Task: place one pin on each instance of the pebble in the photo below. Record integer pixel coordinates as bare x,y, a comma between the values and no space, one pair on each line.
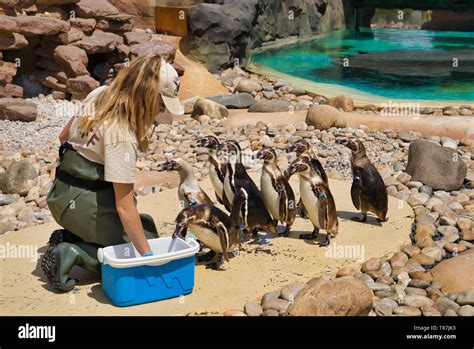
253,309
417,300
465,298
404,310
372,264
444,304
279,305
290,292
466,310
270,296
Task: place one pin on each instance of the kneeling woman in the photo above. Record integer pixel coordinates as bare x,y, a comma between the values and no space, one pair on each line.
92,197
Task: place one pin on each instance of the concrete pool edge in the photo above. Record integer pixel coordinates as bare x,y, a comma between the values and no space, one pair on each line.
360,98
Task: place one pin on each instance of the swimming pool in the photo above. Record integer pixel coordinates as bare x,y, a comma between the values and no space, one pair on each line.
386,63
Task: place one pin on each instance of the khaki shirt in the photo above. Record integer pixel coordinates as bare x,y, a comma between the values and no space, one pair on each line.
110,144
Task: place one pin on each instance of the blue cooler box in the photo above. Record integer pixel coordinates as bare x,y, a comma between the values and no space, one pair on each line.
129,279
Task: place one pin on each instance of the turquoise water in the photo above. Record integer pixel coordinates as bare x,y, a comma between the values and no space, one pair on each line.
418,77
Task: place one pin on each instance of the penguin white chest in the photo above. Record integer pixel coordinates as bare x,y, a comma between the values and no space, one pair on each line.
216,182
271,197
207,237
311,201
228,189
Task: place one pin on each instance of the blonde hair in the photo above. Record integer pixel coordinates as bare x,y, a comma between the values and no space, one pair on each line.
132,99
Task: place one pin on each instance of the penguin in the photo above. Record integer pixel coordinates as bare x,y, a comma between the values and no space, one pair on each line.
277,193
303,147
368,190
217,169
317,199
213,228
189,191
248,206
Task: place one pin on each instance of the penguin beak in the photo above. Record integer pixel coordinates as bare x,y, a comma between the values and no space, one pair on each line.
291,148
165,166
291,170
260,154
179,231
342,141
201,143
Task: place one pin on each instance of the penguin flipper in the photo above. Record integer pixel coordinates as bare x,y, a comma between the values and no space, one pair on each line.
283,207
356,191
219,200
323,211
223,236
236,208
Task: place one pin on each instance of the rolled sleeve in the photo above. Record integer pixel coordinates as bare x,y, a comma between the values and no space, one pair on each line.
120,161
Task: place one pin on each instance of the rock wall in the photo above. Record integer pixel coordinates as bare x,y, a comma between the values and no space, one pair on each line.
450,20
67,47
220,35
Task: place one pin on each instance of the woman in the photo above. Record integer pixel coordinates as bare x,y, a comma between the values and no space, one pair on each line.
92,197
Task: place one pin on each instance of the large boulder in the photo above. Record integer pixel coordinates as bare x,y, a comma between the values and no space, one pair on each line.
142,13
14,109
340,297
100,42
234,101
165,50
323,117
87,25
16,175
438,167
95,8
73,59
212,109
83,84
343,102
270,106
456,274
7,25
34,25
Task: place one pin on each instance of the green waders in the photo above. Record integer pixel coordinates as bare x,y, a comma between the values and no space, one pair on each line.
84,205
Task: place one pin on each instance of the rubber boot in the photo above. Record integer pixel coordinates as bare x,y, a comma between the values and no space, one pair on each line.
60,259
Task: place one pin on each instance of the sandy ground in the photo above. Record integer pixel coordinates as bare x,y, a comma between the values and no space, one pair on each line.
263,266
426,125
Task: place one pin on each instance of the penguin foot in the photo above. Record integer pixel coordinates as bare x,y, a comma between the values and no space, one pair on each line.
325,242
206,257
311,236
286,232
217,264
362,218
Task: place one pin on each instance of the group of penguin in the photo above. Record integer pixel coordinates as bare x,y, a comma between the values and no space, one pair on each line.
252,209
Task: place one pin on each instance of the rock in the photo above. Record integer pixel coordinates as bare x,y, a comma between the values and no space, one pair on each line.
438,167
290,292
6,199
100,42
466,297
417,301
7,25
339,297
265,106
398,260
16,175
234,312
270,296
427,310
252,309
35,25
323,117
434,252
378,286
347,271
444,304
372,264
422,275
411,251
466,310
234,101
271,312
207,107
5,226
12,41
407,136
382,309
456,273
165,50
248,85
83,84
404,310
87,25
15,109
343,102
73,59
280,305
95,8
